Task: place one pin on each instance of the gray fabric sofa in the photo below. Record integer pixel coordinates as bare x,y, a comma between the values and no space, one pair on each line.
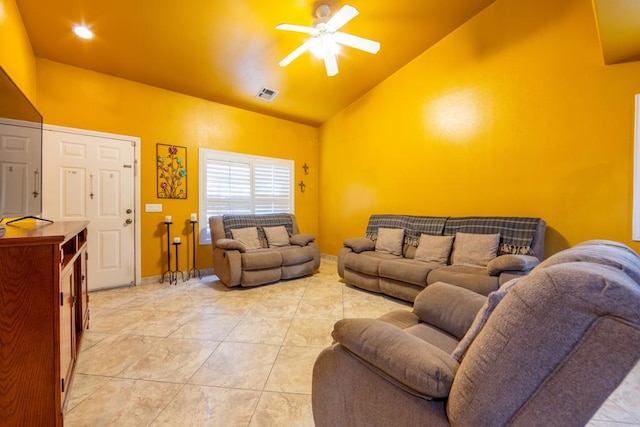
401,275
246,261
546,349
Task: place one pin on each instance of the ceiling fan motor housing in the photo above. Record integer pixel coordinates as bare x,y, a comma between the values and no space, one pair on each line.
323,11
322,15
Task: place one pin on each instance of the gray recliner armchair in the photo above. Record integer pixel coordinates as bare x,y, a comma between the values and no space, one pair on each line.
546,349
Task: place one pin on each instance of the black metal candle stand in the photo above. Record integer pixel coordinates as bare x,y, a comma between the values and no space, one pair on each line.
173,277
192,273
168,270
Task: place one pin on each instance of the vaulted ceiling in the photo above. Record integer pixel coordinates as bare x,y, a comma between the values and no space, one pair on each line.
227,50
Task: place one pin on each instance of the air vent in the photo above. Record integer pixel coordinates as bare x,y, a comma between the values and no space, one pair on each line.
267,94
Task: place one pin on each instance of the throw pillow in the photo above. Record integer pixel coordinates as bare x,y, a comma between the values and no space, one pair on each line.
474,250
277,237
434,249
390,240
248,236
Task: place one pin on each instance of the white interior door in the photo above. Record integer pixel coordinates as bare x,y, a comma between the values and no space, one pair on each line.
19,169
92,177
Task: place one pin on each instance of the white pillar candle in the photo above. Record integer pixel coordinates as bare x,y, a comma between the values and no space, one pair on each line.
167,218
176,240
194,217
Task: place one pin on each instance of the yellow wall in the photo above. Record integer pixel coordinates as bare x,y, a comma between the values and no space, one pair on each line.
512,114
74,97
16,55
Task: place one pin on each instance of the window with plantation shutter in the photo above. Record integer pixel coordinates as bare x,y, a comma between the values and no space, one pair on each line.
243,184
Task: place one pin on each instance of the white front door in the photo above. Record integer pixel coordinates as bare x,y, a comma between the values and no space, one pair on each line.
91,177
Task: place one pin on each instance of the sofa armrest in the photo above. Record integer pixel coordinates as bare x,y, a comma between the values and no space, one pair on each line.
414,363
301,239
231,244
360,244
511,262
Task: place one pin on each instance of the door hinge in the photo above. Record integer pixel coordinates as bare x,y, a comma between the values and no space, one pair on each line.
62,381
135,167
61,298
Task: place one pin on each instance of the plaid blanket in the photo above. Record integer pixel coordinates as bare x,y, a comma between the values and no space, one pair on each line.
516,234
232,221
413,226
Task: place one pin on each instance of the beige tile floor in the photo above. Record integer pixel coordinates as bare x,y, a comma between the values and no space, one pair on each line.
201,354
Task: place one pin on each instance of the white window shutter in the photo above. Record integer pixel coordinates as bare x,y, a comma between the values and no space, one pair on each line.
242,184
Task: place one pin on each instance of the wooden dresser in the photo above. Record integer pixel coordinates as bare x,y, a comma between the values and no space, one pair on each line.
43,311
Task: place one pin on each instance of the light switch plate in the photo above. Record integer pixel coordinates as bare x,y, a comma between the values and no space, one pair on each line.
153,207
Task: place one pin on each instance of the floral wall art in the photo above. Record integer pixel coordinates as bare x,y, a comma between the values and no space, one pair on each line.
172,171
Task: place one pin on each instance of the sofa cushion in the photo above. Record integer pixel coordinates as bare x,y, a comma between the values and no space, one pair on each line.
292,255
415,363
406,270
366,262
448,307
474,250
261,259
248,237
276,236
390,240
434,249
511,262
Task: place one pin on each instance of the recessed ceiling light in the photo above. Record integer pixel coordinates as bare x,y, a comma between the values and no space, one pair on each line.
83,32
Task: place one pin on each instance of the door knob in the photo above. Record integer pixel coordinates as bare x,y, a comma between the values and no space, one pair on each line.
128,221
129,211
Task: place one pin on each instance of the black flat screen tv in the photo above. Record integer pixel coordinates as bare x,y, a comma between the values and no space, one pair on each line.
20,153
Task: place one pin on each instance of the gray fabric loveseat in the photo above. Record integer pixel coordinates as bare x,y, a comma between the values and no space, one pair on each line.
546,349
251,250
400,254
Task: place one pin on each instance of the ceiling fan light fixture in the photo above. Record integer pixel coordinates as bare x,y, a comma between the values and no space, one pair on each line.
323,43
326,40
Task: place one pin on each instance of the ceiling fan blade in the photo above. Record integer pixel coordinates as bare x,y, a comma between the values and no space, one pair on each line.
297,28
344,15
293,55
330,63
357,42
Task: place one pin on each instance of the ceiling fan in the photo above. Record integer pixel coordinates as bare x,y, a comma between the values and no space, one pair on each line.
325,38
